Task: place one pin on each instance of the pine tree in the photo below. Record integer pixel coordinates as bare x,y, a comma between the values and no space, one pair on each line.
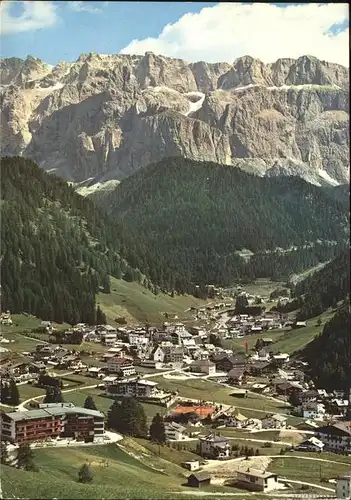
85,474
89,403
106,285
157,429
25,458
13,394
100,316
5,392
4,453
53,395
128,418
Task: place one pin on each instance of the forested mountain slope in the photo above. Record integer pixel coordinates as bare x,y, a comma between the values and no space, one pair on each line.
188,223
329,353
325,288
57,248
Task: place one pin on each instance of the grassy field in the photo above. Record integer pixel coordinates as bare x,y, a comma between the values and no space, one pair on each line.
307,470
263,287
287,341
137,304
210,391
124,477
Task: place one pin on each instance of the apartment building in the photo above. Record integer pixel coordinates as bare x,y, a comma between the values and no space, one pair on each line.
336,437
53,421
122,366
145,390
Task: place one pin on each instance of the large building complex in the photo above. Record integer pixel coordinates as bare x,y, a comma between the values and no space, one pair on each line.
52,421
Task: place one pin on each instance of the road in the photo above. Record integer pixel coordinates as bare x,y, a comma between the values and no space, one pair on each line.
21,407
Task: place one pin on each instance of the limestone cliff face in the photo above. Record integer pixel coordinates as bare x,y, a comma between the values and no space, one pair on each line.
105,116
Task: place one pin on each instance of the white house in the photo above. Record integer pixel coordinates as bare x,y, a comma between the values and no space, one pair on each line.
159,355
343,486
213,446
312,444
175,432
123,366
203,366
253,480
109,339
312,410
276,421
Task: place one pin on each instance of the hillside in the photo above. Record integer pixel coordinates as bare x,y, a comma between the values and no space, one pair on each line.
324,288
135,303
331,368
189,222
57,250
103,117
124,477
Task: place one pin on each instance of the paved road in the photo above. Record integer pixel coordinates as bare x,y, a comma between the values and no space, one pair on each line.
21,407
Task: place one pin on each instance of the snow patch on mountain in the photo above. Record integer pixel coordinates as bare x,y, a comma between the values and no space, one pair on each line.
327,177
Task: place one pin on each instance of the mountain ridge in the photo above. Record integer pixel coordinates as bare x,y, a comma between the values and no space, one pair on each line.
195,218
105,116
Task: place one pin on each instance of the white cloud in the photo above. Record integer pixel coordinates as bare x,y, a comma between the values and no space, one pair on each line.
265,31
85,7
35,16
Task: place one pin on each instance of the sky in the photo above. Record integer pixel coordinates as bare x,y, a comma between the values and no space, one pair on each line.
194,31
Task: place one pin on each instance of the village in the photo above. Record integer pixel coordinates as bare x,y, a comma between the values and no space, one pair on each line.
153,363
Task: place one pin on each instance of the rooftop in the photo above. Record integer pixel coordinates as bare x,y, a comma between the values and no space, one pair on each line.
256,473
57,410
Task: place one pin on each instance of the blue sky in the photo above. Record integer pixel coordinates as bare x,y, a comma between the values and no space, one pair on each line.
108,31
55,31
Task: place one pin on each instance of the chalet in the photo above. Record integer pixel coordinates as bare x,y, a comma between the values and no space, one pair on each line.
237,376
266,341
203,366
175,431
94,371
122,366
281,358
260,367
233,420
199,479
287,389
226,363
276,421
312,444
213,446
253,480
309,396
312,410
336,437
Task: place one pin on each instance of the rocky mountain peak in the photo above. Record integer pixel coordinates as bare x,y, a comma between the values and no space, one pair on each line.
105,116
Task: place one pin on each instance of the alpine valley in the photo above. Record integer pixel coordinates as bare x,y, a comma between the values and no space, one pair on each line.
175,278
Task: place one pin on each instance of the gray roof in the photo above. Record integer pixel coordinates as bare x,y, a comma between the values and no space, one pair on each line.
254,473
200,476
52,411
